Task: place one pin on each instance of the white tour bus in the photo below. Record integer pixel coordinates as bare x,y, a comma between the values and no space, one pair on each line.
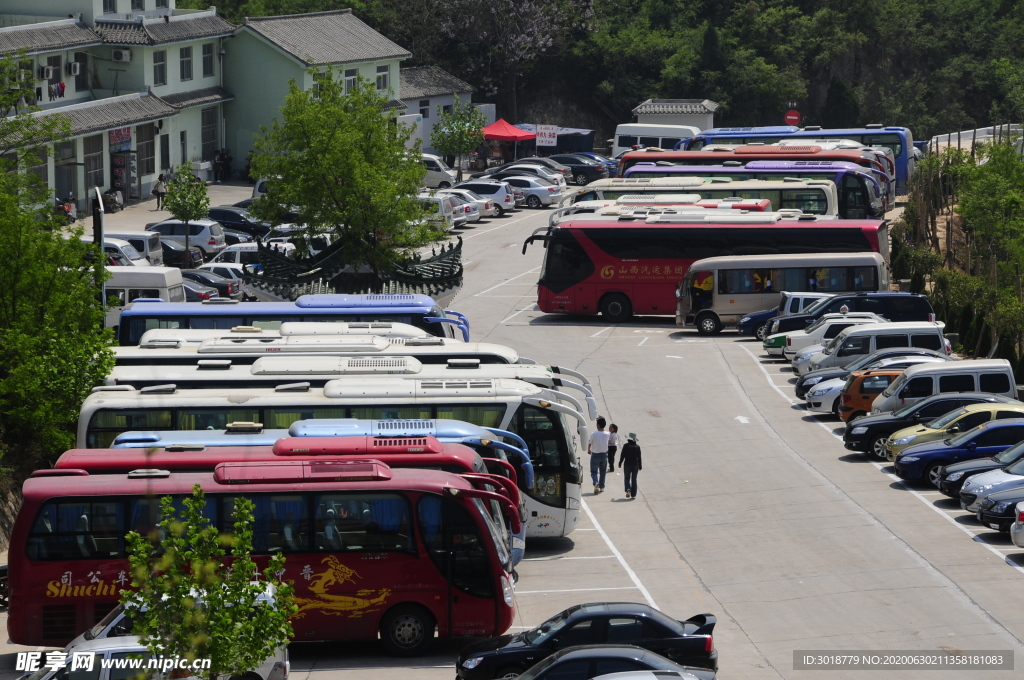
555,432
717,292
811,196
127,284
628,135
246,348
387,329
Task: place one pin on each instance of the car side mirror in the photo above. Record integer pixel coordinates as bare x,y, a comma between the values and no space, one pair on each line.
953,429
971,446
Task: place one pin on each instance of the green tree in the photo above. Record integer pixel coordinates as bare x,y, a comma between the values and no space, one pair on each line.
458,132
188,602
187,200
340,161
841,109
712,53
53,350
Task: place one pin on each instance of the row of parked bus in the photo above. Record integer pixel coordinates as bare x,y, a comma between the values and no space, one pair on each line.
399,466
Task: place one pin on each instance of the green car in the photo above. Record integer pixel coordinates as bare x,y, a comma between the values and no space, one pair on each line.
775,344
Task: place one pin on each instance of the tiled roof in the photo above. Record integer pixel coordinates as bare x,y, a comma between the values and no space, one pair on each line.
325,38
159,31
429,81
52,35
114,112
676,106
205,96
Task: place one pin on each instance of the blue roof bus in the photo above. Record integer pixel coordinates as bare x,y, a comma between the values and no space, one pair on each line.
899,139
861,194
417,310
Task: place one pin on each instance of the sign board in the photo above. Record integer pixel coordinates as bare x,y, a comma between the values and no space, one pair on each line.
792,117
547,135
120,139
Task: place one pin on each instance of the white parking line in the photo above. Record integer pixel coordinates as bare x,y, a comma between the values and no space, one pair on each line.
602,331
503,224
512,316
532,271
920,495
552,559
622,560
576,590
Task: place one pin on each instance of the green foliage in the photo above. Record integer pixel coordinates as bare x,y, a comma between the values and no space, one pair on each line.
346,168
841,109
187,602
186,199
458,132
52,348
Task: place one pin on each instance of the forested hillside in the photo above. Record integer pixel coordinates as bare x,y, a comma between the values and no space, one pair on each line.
932,65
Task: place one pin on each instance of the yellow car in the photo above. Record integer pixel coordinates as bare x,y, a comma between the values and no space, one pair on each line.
954,422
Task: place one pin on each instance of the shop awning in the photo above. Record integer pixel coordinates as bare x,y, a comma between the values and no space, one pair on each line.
503,131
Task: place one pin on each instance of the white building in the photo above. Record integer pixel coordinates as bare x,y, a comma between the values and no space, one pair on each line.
424,89
699,113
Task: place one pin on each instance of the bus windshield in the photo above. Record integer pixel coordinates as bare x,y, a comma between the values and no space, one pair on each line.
500,544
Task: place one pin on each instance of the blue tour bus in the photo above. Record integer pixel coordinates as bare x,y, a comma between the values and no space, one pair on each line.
418,310
862,195
899,139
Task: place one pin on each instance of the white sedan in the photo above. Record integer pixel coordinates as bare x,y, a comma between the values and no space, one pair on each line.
486,206
1017,528
824,397
802,360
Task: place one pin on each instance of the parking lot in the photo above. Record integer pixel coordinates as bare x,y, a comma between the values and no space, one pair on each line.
749,507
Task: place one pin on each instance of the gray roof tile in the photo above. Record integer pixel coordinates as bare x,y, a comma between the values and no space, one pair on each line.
205,96
114,112
52,35
676,106
158,31
429,81
325,38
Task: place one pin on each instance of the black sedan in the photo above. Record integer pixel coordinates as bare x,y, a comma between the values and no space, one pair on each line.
197,292
174,255
952,477
239,219
687,642
999,509
226,288
808,380
594,661
234,237
869,433
583,170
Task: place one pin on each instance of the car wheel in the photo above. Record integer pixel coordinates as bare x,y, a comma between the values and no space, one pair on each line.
759,332
501,211
878,446
616,307
407,630
443,185
933,472
508,673
533,202
835,408
708,324
581,179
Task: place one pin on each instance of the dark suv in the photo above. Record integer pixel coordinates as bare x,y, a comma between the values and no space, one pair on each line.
893,306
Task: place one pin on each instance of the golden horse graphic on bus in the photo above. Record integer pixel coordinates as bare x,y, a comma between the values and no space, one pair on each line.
336,573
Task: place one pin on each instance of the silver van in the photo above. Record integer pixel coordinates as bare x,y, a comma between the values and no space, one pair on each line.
127,284
439,175
994,376
121,252
794,303
855,342
146,243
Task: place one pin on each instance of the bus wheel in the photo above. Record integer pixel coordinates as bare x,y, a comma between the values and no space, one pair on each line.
407,630
708,324
616,307
759,332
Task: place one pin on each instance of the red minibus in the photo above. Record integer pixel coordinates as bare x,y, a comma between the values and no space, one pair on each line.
623,266
862,158
371,549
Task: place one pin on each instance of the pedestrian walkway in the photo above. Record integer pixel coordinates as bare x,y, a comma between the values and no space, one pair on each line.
137,215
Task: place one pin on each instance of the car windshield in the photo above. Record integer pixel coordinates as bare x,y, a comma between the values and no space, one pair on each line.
1018,467
1010,455
907,410
104,622
895,386
441,164
129,250
965,437
835,342
475,196
549,628
817,324
944,420
818,305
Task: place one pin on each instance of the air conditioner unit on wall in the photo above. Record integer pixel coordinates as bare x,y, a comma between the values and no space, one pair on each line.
45,72
73,68
123,56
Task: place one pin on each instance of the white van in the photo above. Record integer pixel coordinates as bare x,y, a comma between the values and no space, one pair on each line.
629,135
147,243
825,329
248,253
440,209
122,251
439,175
994,376
127,284
854,343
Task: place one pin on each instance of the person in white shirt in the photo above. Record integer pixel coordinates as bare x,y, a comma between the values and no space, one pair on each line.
613,445
597,449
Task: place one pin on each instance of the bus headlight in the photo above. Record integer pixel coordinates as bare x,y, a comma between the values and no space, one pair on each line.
506,591
574,504
472,662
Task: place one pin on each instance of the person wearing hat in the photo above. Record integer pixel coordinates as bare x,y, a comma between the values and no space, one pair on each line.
631,464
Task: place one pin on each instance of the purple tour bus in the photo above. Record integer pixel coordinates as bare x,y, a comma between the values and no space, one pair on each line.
861,194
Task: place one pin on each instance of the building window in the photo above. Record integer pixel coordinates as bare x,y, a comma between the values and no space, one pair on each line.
186,63
183,140
383,77
93,151
350,79
447,108
209,132
160,67
425,108
137,5
162,4
82,79
109,6
208,60
145,135
165,152
55,75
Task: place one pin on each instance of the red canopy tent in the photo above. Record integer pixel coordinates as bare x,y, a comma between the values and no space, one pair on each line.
505,132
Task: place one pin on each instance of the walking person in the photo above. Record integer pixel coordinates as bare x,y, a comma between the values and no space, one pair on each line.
226,159
160,190
613,445
597,449
631,464
218,167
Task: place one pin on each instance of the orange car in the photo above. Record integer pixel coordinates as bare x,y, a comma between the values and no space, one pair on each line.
861,389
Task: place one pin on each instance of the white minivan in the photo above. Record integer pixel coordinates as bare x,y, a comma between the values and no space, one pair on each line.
994,376
854,343
127,284
439,175
629,135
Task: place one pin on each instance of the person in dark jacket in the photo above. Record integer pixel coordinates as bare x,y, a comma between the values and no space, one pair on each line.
631,464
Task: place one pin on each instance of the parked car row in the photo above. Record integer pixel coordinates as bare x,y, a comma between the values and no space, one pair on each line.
954,425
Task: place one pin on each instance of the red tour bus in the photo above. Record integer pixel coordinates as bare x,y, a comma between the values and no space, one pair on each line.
371,549
623,266
755,152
